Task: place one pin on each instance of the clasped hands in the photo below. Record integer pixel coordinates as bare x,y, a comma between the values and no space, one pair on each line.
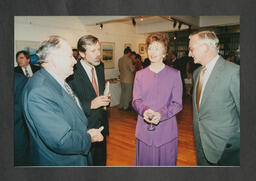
151,116
100,101
95,134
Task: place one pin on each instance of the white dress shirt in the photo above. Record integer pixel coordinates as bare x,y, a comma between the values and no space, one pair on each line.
209,68
88,70
28,69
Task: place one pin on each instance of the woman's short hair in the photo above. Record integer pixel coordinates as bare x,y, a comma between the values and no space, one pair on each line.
208,37
86,40
158,37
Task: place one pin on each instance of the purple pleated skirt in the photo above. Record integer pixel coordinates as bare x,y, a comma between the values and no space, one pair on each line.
149,155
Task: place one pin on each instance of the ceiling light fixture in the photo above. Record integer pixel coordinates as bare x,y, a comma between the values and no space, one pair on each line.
133,22
174,23
180,25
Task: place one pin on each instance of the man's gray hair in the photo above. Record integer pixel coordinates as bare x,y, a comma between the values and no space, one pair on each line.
208,37
46,46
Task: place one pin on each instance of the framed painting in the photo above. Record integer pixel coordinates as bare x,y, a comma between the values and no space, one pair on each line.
108,54
142,48
128,45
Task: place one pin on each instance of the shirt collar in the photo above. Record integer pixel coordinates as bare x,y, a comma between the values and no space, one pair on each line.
212,63
86,66
59,79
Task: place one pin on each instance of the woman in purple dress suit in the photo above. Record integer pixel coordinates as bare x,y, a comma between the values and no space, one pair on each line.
157,97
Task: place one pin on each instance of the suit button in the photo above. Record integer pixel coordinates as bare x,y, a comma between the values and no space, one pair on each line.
228,145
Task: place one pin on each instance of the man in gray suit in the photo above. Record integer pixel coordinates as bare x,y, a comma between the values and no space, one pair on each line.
126,69
216,103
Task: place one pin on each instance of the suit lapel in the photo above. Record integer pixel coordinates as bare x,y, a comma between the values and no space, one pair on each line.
19,70
71,103
213,80
68,100
101,83
83,75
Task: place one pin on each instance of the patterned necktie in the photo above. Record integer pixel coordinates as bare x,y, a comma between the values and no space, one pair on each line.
27,74
70,92
199,87
94,83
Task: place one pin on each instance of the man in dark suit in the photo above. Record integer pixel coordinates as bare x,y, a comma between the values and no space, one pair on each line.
216,103
57,125
88,82
24,66
20,127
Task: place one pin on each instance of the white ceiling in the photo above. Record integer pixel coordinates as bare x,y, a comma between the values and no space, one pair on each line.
144,24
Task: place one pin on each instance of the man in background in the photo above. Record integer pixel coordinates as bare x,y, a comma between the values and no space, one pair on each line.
24,66
126,69
57,125
21,143
216,103
76,54
88,82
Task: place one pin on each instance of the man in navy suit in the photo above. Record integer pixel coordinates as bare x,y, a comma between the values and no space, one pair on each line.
20,128
57,125
24,67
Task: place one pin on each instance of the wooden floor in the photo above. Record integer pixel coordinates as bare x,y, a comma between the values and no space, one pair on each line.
121,143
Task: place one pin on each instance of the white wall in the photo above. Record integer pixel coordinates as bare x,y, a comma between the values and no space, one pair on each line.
219,20
37,28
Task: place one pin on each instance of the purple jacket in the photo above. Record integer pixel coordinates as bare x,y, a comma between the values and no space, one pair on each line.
161,92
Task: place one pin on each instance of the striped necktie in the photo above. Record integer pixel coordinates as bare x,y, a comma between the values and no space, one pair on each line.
70,92
26,72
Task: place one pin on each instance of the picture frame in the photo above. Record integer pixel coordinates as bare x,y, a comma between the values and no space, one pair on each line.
108,54
142,48
128,45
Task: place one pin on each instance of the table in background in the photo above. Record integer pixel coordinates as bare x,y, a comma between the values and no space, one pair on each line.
115,91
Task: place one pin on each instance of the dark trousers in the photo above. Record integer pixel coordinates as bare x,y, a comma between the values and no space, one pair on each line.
99,152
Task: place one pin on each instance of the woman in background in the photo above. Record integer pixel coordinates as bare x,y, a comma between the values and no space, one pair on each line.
157,97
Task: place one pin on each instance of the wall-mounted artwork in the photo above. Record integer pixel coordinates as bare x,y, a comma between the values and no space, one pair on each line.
108,54
128,45
142,48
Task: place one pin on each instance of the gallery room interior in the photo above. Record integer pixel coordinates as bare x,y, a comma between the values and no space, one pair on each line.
115,33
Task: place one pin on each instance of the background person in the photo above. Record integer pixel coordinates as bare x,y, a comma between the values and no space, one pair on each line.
21,142
126,69
24,67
